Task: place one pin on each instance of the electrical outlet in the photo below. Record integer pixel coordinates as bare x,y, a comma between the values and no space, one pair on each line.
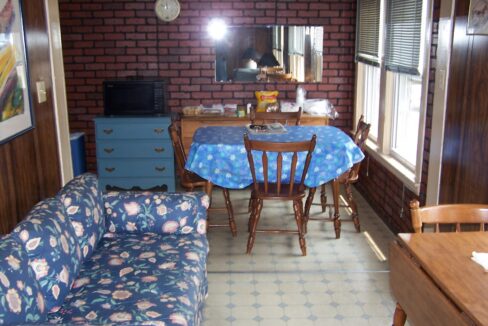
41,91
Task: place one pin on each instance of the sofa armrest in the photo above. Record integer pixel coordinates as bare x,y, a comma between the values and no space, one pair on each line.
156,212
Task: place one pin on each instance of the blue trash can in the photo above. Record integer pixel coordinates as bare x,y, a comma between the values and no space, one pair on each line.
77,140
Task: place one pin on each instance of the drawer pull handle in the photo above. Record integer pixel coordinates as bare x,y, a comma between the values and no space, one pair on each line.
159,149
108,150
108,131
110,170
159,131
160,168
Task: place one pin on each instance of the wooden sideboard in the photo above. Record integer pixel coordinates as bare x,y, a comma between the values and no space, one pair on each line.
434,280
189,124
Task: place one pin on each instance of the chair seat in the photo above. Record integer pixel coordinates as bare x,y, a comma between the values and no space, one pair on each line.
192,180
272,193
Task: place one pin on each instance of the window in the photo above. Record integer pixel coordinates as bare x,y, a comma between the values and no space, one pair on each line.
406,118
392,81
371,98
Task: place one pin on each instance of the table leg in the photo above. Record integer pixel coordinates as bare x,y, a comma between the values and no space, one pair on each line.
400,317
337,220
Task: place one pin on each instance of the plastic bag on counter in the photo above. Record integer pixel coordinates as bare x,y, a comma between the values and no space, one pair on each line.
320,107
287,106
301,96
214,109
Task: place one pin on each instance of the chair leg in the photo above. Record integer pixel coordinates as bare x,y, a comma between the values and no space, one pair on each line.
298,208
249,205
230,212
256,214
400,317
353,206
323,197
337,220
308,204
252,202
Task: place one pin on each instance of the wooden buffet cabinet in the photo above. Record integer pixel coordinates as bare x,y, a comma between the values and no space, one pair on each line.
189,124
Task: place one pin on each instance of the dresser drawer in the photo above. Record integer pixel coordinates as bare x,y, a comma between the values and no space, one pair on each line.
134,149
160,183
126,129
135,167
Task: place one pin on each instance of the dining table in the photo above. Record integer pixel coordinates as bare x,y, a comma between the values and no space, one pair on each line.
217,154
435,281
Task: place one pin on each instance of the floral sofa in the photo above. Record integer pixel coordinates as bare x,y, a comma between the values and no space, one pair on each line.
123,257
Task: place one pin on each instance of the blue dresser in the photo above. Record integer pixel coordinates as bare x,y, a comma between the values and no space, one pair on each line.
134,153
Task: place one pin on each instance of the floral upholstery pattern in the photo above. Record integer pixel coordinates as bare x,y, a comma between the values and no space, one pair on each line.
20,299
83,204
145,279
60,265
52,249
162,213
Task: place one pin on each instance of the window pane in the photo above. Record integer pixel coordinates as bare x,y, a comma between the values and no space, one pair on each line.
406,117
371,97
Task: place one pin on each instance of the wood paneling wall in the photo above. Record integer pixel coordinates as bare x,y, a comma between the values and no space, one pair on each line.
29,163
464,177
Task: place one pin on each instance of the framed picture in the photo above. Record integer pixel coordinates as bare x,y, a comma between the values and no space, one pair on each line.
478,17
15,106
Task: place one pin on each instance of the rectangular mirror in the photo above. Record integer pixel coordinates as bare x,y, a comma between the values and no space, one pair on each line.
269,54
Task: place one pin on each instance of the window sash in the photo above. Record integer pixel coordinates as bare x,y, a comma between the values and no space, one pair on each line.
403,36
406,119
368,31
371,95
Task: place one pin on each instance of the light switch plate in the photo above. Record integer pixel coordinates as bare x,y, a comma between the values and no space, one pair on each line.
41,91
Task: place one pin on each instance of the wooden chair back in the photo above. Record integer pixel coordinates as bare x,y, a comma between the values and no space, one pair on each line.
285,118
265,147
454,214
361,133
179,151
360,137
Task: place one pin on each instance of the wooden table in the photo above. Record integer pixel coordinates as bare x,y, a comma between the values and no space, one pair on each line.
189,124
435,281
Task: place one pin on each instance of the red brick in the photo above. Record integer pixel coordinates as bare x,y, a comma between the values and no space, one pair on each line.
135,43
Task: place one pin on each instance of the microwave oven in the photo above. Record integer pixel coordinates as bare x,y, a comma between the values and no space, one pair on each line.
134,97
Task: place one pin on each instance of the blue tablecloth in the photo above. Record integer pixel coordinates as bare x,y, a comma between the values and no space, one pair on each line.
218,154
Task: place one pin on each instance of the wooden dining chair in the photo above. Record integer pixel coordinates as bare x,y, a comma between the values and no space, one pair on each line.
190,181
285,118
450,214
454,215
348,178
277,189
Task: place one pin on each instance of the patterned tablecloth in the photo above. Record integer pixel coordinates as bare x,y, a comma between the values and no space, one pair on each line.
218,154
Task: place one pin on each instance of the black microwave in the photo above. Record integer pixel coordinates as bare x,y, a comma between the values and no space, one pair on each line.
134,97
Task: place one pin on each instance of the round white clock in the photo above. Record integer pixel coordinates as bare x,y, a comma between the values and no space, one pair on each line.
167,10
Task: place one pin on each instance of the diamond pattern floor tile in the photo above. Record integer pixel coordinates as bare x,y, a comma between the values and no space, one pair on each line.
340,281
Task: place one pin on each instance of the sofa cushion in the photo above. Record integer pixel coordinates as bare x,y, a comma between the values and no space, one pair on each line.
147,279
21,301
52,249
83,204
163,213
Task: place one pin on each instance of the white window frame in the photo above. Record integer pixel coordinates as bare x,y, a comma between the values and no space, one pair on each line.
380,149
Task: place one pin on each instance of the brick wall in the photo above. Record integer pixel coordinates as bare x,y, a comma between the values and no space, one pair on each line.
105,39
389,197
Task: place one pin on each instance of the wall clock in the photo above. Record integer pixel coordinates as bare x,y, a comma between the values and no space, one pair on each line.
167,10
